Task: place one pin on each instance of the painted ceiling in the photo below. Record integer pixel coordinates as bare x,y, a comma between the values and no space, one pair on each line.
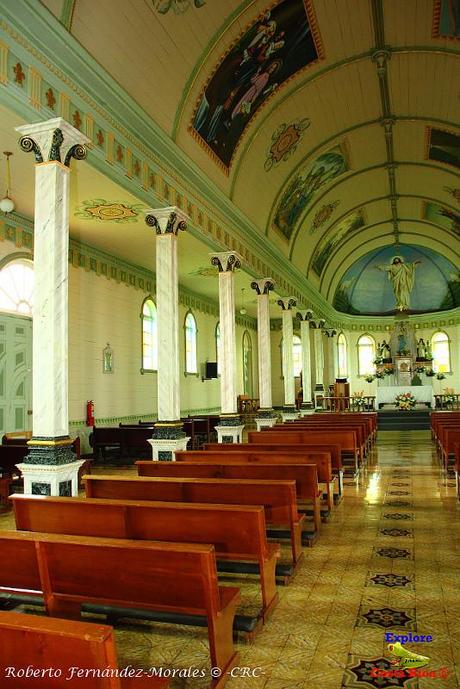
366,287
331,125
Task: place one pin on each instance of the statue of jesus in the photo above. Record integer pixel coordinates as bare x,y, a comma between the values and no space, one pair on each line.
402,277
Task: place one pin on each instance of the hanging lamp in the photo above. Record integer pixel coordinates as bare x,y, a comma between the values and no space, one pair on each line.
7,204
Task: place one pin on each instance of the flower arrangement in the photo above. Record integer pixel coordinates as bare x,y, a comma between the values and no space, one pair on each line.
388,371
449,395
440,376
420,369
369,378
358,399
378,360
380,375
430,373
405,401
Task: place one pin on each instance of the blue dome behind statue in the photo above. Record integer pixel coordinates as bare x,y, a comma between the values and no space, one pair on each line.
374,284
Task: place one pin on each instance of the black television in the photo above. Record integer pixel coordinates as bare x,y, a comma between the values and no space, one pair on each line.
211,369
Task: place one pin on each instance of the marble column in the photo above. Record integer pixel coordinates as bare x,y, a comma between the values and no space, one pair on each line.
307,405
229,429
168,435
318,326
51,468
331,354
266,417
289,410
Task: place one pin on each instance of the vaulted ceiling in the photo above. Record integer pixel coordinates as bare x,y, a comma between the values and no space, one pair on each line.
333,125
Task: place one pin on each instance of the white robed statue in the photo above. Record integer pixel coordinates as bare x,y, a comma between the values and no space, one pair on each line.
402,278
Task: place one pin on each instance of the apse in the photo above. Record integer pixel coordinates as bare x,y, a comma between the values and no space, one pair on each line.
371,287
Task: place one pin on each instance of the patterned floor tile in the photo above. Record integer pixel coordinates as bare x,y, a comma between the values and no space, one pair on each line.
390,580
386,618
393,553
400,516
359,675
396,532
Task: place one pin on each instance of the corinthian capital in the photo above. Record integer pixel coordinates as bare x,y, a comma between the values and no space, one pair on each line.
53,140
226,261
287,303
169,220
263,286
305,315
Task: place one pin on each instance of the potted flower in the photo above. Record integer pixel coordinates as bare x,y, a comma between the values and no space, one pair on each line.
430,373
405,401
380,375
369,378
378,361
448,397
440,376
357,399
420,369
388,371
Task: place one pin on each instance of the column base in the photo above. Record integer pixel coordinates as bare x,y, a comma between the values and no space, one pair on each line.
306,409
56,479
266,418
168,437
319,393
289,413
50,451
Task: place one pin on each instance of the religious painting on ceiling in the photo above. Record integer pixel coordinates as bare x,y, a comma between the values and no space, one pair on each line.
283,40
410,278
439,215
443,146
326,247
177,6
285,140
446,19
322,216
304,186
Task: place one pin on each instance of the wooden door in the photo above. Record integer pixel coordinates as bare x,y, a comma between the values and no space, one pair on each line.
15,374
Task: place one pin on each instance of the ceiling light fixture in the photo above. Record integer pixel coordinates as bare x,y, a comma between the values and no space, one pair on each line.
7,204
243,311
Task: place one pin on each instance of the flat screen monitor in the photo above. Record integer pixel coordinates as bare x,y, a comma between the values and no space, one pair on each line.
211,369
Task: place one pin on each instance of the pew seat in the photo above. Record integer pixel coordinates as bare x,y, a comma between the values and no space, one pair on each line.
277,497
123,578
238,533
45,642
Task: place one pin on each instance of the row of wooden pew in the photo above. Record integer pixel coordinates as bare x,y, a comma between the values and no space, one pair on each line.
445,432
183,521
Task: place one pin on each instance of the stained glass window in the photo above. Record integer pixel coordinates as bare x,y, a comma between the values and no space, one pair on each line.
366,355
149,336
191,365
17,287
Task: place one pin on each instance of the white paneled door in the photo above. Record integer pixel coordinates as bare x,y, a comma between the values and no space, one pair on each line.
15,374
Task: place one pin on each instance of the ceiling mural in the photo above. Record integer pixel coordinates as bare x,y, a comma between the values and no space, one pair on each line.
109,211
177,6
281,42
304,186
285,140
326,247
322,216
446,19
443,146
409,278
439,215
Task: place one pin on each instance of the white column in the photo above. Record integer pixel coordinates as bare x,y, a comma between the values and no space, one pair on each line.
305,318
168,435
332,354
289,410
50,467
229,429
319,359
265,415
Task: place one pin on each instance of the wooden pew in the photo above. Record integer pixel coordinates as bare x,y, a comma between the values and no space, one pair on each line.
237,533
69,571
48,644
307,486
360,429
332,450
277,497
345,438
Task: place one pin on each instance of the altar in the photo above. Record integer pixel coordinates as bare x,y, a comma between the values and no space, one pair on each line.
422,393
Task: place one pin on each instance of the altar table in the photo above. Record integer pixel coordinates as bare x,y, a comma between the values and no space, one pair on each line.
422,393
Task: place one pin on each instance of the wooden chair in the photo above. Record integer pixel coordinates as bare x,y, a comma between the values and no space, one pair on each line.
44,643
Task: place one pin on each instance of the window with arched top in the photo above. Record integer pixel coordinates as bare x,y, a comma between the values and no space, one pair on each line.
247,364
342,356
218,354
440,350
296,356
366,355
149,335
191,364
17,287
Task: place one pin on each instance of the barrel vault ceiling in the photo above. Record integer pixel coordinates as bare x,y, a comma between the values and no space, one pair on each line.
332,125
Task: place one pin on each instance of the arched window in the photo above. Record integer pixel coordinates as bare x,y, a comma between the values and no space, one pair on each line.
247,364
342,356
440,349
149,335
296,355
218,354
191,365
366,355
17,287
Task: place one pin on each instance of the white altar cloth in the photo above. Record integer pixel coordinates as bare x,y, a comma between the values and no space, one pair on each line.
422,393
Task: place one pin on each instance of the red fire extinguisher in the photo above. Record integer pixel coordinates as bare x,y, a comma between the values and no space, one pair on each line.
90,413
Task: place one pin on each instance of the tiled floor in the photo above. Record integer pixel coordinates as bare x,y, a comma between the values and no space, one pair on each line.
388,560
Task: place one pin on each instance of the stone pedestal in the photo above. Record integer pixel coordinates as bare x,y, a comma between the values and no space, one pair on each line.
230,434
58,480
265,422
50,468
289,415
163,449
306,411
